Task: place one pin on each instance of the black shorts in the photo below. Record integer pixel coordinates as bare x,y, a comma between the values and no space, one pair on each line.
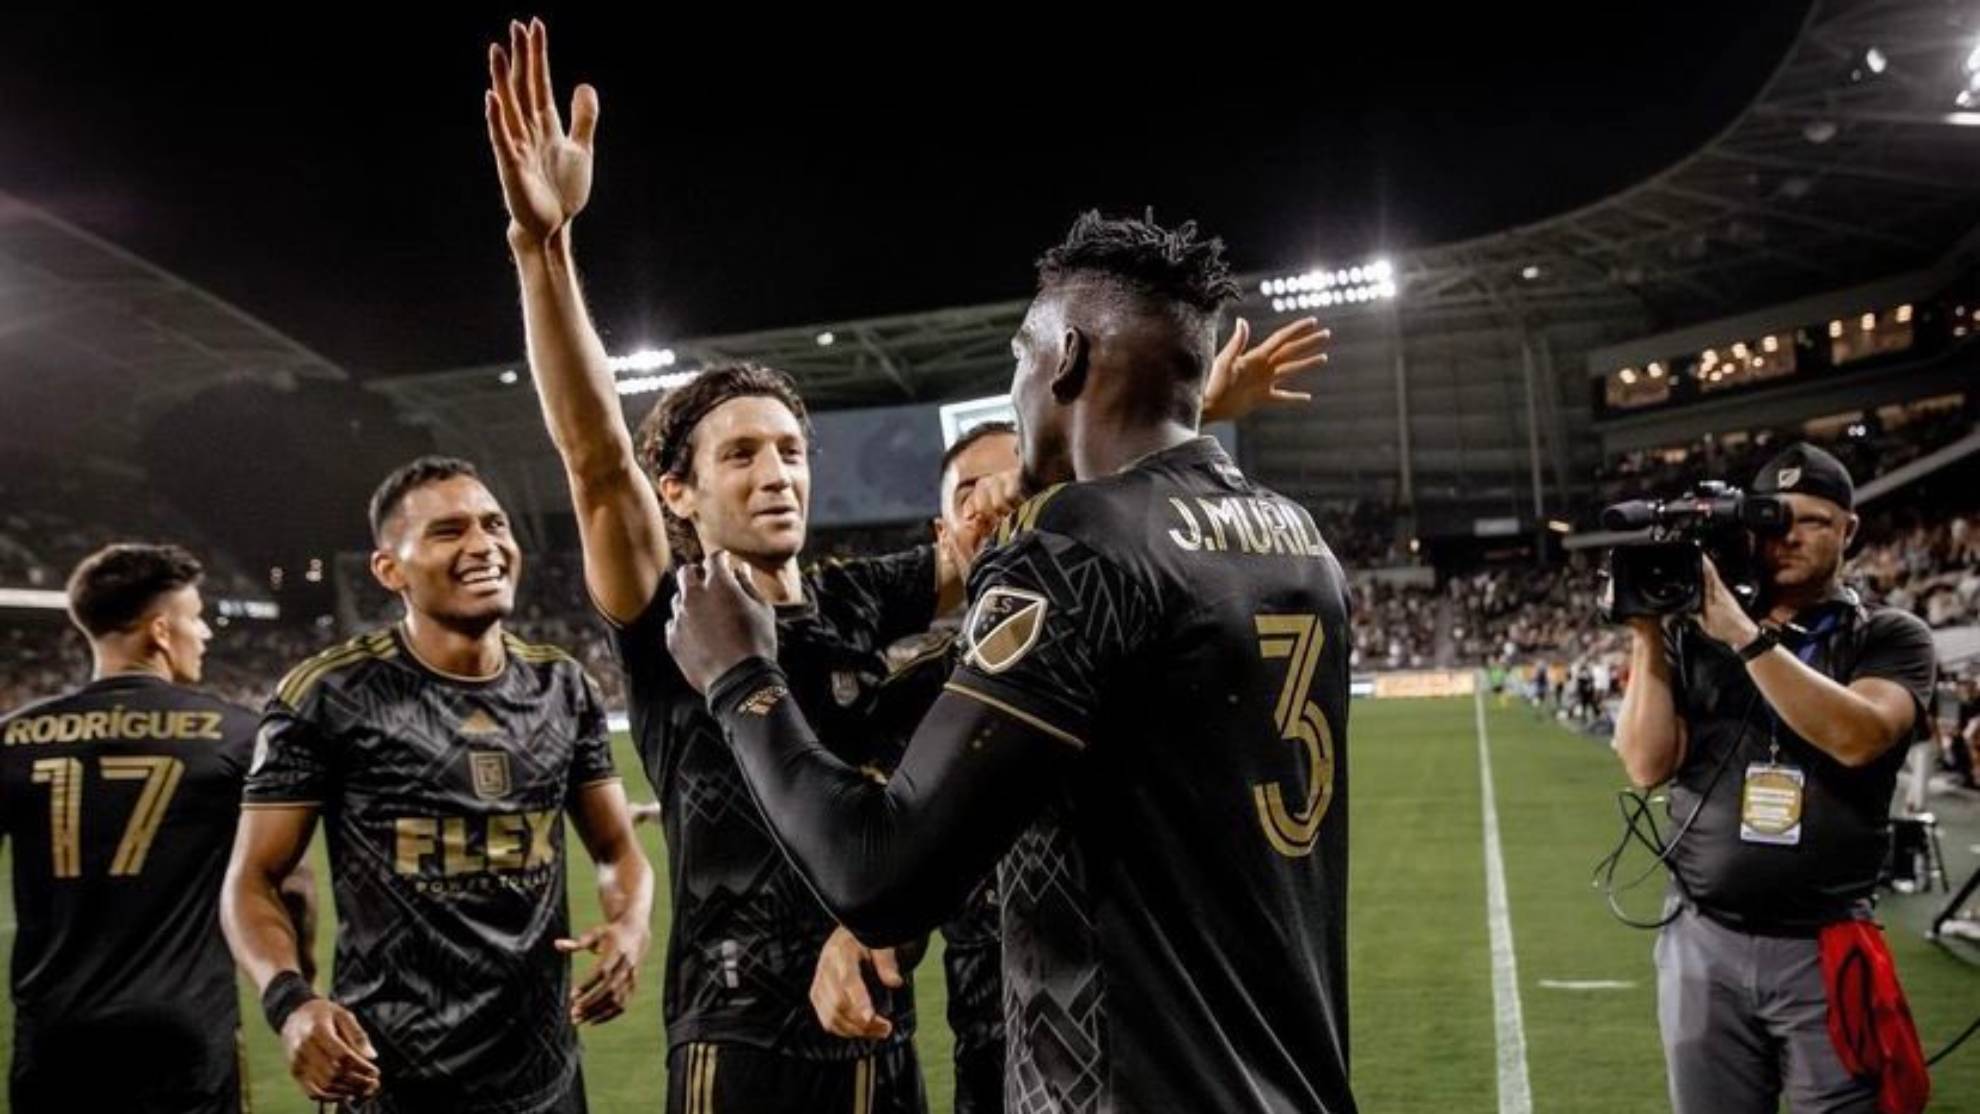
122,1068
705,1078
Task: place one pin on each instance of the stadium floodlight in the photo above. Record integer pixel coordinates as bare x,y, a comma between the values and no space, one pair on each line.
1530,272
1323,286
1655,370
1904,314
826,339
1835,330
1869,322
1875,60
1966,99
645,361
1628,376
509,377
1963,119
1560,527
647,384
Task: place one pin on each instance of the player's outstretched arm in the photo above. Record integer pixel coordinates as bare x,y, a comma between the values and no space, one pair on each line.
328,1051
546,180
890,862
625,895
1244,380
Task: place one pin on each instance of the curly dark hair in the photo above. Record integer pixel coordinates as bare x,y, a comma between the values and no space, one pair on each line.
665,439
113,588
1172,264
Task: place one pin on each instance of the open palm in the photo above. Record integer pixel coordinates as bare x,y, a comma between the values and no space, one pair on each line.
546,173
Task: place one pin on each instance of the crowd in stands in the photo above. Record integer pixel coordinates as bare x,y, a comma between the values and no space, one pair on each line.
1925,559
52,515
1870,447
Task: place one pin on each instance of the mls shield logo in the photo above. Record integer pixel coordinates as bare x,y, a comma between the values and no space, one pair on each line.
490,771
1004,627
1788,477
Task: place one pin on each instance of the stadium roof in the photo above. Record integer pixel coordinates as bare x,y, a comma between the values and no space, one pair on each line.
95,342
1822,181
1847,166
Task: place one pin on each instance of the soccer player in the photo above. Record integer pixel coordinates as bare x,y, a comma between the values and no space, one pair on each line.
120,799
443,754
720,463
1148,728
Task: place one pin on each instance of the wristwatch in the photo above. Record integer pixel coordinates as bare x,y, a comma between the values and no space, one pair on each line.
1766,640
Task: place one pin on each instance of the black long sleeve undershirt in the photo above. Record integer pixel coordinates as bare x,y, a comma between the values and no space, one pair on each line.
893,861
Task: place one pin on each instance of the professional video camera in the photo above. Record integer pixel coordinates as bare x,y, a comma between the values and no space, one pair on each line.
1664,573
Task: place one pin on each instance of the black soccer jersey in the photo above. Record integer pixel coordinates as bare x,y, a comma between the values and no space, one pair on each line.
1175,922
444,799
119,801
746,931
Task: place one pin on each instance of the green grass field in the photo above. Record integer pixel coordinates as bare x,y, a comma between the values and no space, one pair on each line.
1423,1021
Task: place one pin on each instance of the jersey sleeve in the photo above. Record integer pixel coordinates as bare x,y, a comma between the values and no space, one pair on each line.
641,647
292,762
1052,625
892,596
1898,648
238,729
591,754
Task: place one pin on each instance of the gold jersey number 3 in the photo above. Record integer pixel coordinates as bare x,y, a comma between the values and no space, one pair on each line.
1299,639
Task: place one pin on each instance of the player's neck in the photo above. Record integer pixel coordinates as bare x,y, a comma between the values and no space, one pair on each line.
1110,446
776,581
470,655
112,663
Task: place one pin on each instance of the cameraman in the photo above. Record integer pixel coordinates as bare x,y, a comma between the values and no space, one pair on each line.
1782,739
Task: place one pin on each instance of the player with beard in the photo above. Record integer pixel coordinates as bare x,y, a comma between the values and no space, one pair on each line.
443,754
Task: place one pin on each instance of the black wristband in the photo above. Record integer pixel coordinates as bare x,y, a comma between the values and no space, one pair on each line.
1762,642
286,993
743,680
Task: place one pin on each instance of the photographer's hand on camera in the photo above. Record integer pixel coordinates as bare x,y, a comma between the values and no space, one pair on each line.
1722,618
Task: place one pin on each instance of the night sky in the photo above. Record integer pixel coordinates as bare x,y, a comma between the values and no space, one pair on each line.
761,168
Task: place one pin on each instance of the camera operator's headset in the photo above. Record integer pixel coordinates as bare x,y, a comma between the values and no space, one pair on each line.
1845,614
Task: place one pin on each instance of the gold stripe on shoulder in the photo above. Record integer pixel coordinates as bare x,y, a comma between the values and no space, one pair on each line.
297,683
535,651
1027,515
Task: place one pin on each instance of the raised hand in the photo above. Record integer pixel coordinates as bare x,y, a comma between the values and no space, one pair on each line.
546,174
1243,381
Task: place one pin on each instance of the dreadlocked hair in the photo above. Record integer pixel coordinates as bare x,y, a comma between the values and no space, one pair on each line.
1172,264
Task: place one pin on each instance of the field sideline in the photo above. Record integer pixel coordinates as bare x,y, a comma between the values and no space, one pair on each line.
1426,1034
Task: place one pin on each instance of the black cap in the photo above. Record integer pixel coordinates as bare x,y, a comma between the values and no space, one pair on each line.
1803,469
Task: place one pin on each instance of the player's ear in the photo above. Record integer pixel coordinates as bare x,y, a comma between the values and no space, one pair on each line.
677,494
385,569
941,530
158,629
1075,354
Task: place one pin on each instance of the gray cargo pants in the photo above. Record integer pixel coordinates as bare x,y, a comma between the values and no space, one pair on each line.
1744,1020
